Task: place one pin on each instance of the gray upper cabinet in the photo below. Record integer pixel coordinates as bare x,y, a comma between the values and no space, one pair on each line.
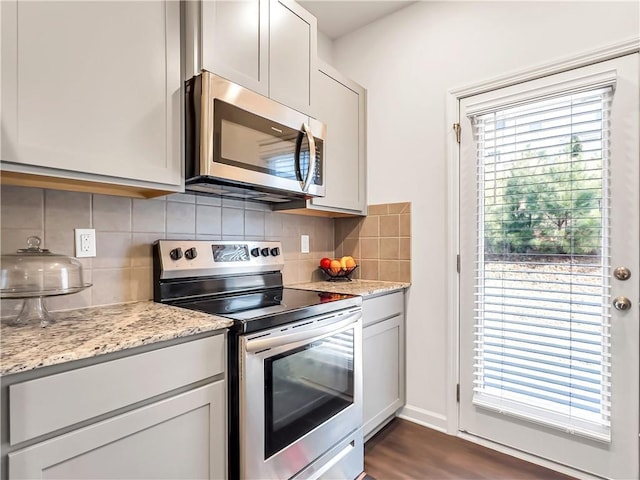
293,37
340,103
268,46
235,41
91,92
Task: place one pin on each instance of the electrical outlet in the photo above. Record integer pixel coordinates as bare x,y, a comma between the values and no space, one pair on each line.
85,242
304,243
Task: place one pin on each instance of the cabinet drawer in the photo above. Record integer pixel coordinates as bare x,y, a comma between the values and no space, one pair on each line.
47,404
180,437
384,306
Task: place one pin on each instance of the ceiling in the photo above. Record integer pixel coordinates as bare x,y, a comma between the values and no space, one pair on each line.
337,18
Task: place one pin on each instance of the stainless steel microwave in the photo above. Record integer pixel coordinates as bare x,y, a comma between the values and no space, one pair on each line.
241,144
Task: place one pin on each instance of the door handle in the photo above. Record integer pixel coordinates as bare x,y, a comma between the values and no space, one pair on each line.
622,303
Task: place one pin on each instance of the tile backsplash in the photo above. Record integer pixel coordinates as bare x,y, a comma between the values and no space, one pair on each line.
380,242
126,228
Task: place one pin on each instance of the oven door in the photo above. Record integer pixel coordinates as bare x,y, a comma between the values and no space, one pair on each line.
300,393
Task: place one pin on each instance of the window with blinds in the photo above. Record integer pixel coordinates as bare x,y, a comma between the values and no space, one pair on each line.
542,271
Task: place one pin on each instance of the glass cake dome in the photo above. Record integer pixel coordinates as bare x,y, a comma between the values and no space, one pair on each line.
33,273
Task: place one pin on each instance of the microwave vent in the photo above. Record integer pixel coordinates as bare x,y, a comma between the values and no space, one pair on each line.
228,191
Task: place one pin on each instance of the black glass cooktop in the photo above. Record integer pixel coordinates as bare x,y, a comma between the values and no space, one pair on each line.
271,307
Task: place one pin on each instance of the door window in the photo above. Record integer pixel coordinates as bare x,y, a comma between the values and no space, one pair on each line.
542,276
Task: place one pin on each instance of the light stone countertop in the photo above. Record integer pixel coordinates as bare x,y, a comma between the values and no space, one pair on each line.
354,287
90,332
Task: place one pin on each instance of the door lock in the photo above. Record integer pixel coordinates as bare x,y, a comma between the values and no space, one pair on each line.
622,273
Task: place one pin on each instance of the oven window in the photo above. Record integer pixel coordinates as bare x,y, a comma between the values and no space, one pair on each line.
305,387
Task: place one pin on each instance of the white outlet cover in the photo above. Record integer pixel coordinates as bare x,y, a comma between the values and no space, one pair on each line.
304,243
85,242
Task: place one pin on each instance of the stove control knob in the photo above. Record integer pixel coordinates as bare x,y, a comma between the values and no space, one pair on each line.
176,254
255,252
264,252
275,251
191,253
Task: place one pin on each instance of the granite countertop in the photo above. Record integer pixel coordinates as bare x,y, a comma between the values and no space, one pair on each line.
354,287
90,332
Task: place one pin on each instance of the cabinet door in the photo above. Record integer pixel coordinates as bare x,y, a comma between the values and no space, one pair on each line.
93,88
340,105
383,386
182,437
235,41
293,37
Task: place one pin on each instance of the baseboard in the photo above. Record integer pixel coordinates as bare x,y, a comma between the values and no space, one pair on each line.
424,417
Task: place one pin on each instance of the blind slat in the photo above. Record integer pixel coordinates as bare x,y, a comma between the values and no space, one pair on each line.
553,318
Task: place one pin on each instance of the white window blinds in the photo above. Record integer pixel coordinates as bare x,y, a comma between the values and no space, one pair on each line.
542,270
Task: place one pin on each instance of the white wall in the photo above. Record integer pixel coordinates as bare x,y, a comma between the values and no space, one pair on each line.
408,61
325,48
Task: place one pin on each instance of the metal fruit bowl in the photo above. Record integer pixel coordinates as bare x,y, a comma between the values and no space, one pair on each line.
339,274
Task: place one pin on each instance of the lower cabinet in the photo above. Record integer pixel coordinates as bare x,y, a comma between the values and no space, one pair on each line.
182,437
157,414
383,360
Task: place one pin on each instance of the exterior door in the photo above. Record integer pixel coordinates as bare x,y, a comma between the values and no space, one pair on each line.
549,208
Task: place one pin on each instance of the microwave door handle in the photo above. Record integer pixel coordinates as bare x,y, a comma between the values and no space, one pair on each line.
296,158
312,158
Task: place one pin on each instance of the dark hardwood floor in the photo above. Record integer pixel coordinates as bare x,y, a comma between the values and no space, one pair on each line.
404,450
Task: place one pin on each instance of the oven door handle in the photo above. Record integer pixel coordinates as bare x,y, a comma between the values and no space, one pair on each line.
312,334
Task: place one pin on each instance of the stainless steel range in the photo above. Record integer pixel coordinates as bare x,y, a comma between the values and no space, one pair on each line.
294,358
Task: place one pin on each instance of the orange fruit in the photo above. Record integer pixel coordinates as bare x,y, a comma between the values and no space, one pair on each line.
347,262
335,267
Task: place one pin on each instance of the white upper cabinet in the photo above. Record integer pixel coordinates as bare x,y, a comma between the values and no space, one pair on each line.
235,41
268,46
341,105
91,91
293,38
